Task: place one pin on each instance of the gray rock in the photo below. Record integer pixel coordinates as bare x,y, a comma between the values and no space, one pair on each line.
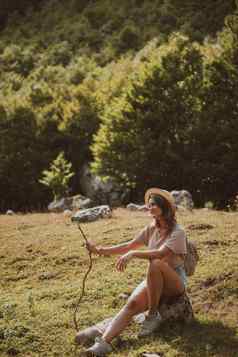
135,207
123,296
70,203
58,206
149,354
81,202
183,198
67,213
101,191
92,214
179,309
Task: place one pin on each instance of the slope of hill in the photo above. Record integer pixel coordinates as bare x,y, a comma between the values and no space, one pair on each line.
43,262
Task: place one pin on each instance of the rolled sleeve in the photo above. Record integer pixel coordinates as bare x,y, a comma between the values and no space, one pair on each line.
177,242
144,235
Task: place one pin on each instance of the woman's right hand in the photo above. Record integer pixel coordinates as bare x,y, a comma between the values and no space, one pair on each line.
92,247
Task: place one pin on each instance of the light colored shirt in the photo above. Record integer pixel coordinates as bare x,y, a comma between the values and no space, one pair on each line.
176,242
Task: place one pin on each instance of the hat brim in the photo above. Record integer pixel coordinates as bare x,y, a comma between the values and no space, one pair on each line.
165,194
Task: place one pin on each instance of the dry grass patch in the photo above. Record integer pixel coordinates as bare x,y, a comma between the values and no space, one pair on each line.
42,262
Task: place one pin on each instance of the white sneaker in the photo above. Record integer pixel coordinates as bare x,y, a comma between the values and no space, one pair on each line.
150,324
100,348
87,336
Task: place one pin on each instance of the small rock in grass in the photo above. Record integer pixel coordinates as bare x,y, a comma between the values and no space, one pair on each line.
123,296
13,351
149,354
67,213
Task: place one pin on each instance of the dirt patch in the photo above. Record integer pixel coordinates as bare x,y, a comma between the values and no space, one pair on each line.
12,351
216,243
73,260
211,281
212,242
48,276
19,259
24,226
15,278
200,226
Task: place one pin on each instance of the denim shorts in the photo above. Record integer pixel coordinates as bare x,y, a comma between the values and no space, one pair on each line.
181,272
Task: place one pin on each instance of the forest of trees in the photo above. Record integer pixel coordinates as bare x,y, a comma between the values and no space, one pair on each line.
146,91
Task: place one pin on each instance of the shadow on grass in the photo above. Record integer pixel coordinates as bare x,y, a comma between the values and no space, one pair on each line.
206,338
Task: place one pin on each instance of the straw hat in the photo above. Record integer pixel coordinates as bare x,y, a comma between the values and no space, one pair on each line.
165,194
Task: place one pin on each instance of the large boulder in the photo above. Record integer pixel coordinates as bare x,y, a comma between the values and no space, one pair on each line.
183,198
70,203
92,214
99,190
179,308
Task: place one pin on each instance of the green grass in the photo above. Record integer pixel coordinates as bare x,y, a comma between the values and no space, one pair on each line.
42,263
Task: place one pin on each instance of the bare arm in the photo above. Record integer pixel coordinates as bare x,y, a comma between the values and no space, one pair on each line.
147,254
152,253
119,248
122,248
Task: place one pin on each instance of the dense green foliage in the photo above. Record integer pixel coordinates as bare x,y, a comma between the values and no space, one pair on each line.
20,156
179,124
152,121
102,79
9,6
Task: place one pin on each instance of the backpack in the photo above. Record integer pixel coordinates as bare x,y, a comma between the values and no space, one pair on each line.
191,258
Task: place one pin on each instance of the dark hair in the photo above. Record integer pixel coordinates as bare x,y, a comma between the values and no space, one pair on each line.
167,211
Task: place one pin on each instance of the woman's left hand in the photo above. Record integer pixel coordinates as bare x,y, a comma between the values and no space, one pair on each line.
123,261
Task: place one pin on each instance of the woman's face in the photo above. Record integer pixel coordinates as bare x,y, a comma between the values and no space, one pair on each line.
154,210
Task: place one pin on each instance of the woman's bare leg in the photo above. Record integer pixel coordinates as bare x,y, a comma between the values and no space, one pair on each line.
137,303
161,280
155,284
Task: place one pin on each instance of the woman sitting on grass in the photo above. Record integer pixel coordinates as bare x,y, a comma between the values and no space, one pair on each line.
166,277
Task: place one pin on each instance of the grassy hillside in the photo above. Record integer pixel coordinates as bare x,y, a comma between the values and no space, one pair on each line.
44,42
42,263
58,32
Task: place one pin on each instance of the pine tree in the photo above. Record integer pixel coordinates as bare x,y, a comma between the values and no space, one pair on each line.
58,176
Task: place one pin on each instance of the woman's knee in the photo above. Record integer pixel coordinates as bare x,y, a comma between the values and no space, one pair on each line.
137,304
155,266
133,306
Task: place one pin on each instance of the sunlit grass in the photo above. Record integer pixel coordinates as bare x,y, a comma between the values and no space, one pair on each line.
42,262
